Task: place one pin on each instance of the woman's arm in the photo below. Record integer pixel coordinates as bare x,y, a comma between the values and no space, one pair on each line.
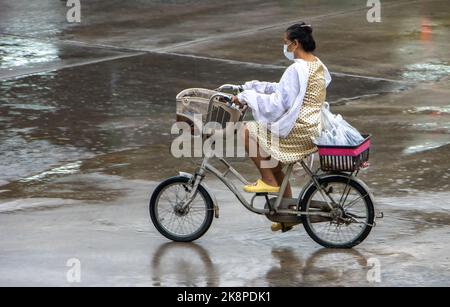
268,108
261,87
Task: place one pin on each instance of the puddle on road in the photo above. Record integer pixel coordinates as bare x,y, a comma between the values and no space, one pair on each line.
279,266
16,51
425,146
70,168
24,158
31,107
67,184
431,110
433,71
35,204
437,203
433,127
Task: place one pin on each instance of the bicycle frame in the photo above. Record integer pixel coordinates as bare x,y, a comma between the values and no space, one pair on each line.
222,176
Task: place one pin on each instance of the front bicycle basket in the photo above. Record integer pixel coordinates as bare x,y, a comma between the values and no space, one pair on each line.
196,107
192,106
344,158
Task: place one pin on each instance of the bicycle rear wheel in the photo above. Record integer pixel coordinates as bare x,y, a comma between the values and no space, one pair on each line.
352,216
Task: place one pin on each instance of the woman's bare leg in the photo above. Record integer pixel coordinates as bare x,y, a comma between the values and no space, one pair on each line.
272,176
267,174
279,176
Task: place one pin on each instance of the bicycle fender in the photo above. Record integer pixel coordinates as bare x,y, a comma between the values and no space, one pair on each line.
208,190
359,181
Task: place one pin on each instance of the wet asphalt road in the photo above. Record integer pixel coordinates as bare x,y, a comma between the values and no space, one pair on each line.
85,117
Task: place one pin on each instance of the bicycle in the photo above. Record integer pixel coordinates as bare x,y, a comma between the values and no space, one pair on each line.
335,207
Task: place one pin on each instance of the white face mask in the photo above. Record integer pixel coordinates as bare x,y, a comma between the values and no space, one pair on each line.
288,54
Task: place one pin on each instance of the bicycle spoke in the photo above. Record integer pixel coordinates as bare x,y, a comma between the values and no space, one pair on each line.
178,222
352,203
349,223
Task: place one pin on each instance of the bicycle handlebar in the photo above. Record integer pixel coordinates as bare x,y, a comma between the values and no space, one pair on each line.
226,98
232,88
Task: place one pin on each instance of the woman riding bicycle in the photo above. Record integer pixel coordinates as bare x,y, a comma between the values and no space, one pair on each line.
288,111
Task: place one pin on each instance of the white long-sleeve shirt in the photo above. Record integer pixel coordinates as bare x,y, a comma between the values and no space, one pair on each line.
277,105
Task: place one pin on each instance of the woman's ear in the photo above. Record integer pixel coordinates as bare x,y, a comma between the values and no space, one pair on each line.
298,45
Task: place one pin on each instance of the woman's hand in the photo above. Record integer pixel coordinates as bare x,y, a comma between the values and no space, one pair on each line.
236,101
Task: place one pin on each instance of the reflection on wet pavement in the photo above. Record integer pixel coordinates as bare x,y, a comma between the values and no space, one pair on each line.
22,56
424,146
194,269
432,110
427,71
24,158
19,52
289,268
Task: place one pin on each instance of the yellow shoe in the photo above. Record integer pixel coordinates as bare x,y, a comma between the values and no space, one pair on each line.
261,187
282,226
276,226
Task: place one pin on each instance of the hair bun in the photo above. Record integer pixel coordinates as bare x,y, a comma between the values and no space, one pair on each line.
306,27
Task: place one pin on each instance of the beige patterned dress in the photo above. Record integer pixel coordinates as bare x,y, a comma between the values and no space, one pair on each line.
298,144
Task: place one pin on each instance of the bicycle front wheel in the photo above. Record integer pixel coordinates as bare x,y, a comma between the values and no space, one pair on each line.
171,219
351,218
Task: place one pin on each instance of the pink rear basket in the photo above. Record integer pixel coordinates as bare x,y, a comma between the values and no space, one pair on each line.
344,158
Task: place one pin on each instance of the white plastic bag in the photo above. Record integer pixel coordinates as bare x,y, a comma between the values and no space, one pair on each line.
336,131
